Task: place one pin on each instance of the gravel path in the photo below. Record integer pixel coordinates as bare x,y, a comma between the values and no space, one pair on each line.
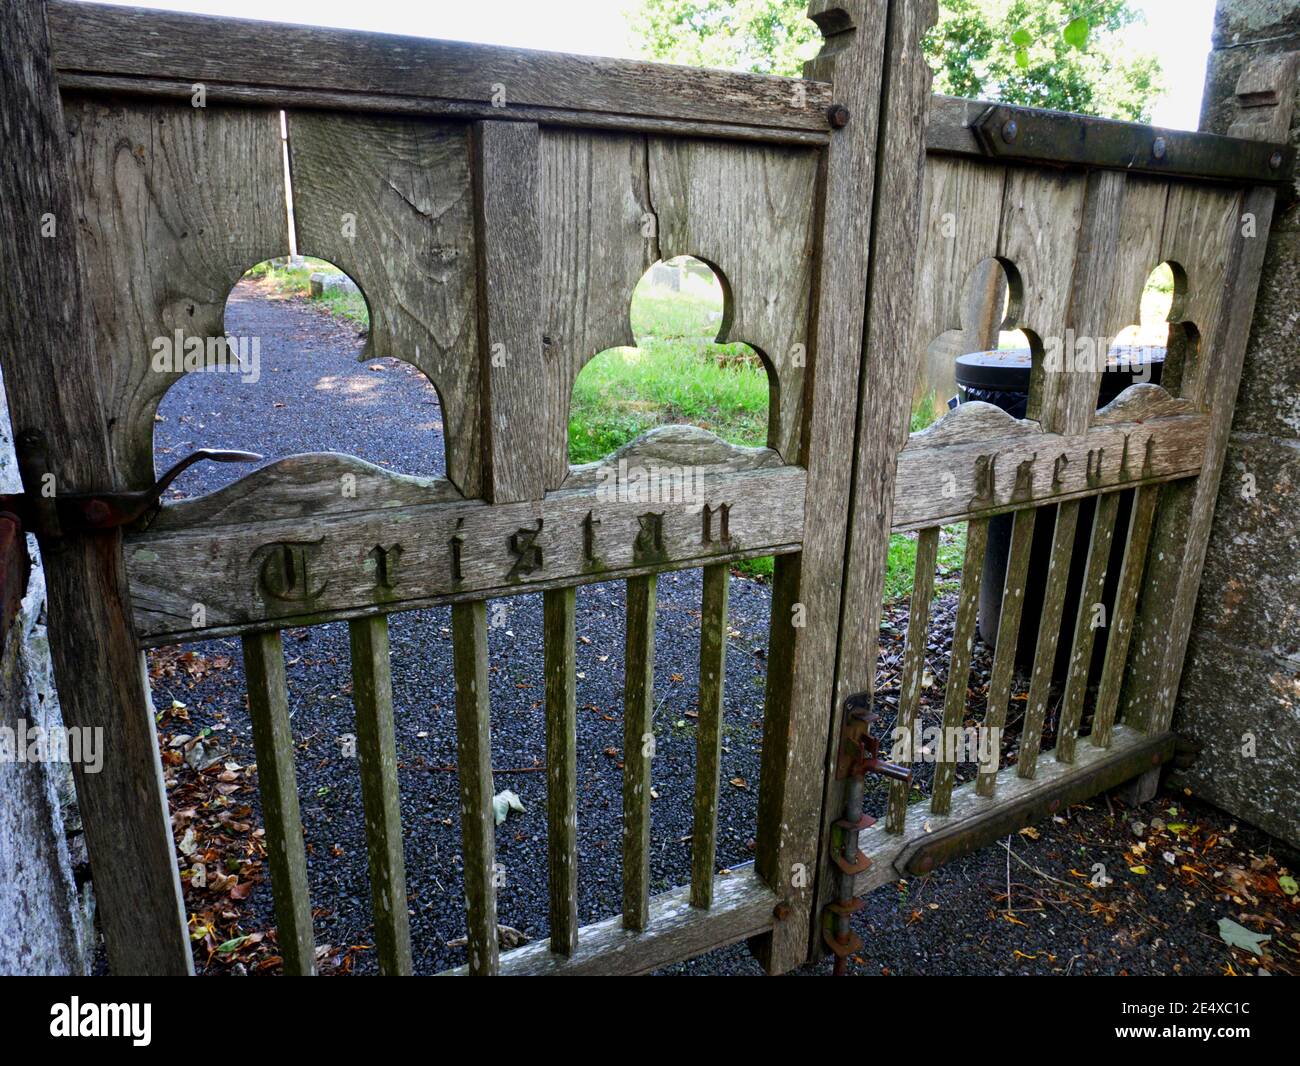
314,396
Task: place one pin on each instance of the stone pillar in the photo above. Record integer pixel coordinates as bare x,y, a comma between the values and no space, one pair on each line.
45,920
1240,692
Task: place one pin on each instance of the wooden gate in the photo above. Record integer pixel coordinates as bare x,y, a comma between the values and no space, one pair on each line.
1077,212
497,208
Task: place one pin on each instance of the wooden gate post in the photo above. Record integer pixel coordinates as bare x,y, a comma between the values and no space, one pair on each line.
53,380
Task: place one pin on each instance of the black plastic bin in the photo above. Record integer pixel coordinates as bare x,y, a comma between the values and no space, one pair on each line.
1002,379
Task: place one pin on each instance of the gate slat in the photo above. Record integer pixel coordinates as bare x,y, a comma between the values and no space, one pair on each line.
909,692
1004,656
268,707
708,735
474,770
1094,580
561,768
963,640
372,696
638,712
1049,635
1121,624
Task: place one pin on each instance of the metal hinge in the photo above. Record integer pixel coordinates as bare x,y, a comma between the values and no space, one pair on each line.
51,514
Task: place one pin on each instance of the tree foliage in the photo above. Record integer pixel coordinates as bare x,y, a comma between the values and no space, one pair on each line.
1063,54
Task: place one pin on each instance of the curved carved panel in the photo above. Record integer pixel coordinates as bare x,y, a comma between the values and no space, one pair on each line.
175,203
305,486
390,202
674,447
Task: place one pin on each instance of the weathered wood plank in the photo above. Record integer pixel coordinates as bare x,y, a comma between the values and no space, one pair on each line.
1004,655
980,819
197,48
561,767
49,359
1085,625
979,461
1049,634
263,573
398,217
806,589
909,691
963,643
1120,631
742,908
708,732
507,211
372,697
177,201
474,769
599,236
268,708
638,749
748,213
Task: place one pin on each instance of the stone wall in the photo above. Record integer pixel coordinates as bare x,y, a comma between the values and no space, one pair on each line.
1241,684
45,918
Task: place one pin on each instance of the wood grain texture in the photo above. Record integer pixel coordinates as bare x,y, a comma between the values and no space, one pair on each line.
50,361
372,696
277,785
599,236
742,908
748,213
1004,655
561,768
474,771
1131,572
398,558
862,308
507,211
175,203
708,732
963,644
978,460
638,749
1086,624
909,691
389,201
672,448
156,44
1049,635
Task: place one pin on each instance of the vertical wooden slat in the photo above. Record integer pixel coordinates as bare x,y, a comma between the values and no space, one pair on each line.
268,707
1049,635
1094,580
56,384
474,769
561,767
638,726
963,641
1121,621
372,696
909,693
708,732
1004,656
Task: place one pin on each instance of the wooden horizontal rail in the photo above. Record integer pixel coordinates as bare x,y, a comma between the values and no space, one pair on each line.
742,907
285,572
275,60
975,820
1056,138
978,461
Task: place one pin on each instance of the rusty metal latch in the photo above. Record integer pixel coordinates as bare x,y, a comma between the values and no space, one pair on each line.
859,755
51,516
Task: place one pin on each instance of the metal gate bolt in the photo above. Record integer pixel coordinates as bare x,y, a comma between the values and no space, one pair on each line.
1010,131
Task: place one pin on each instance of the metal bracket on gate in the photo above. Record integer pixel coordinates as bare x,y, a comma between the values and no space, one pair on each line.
858,756
50,517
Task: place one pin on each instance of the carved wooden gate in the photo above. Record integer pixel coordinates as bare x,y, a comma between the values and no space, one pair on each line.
503,205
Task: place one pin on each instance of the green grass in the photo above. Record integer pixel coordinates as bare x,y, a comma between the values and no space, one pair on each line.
296,281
